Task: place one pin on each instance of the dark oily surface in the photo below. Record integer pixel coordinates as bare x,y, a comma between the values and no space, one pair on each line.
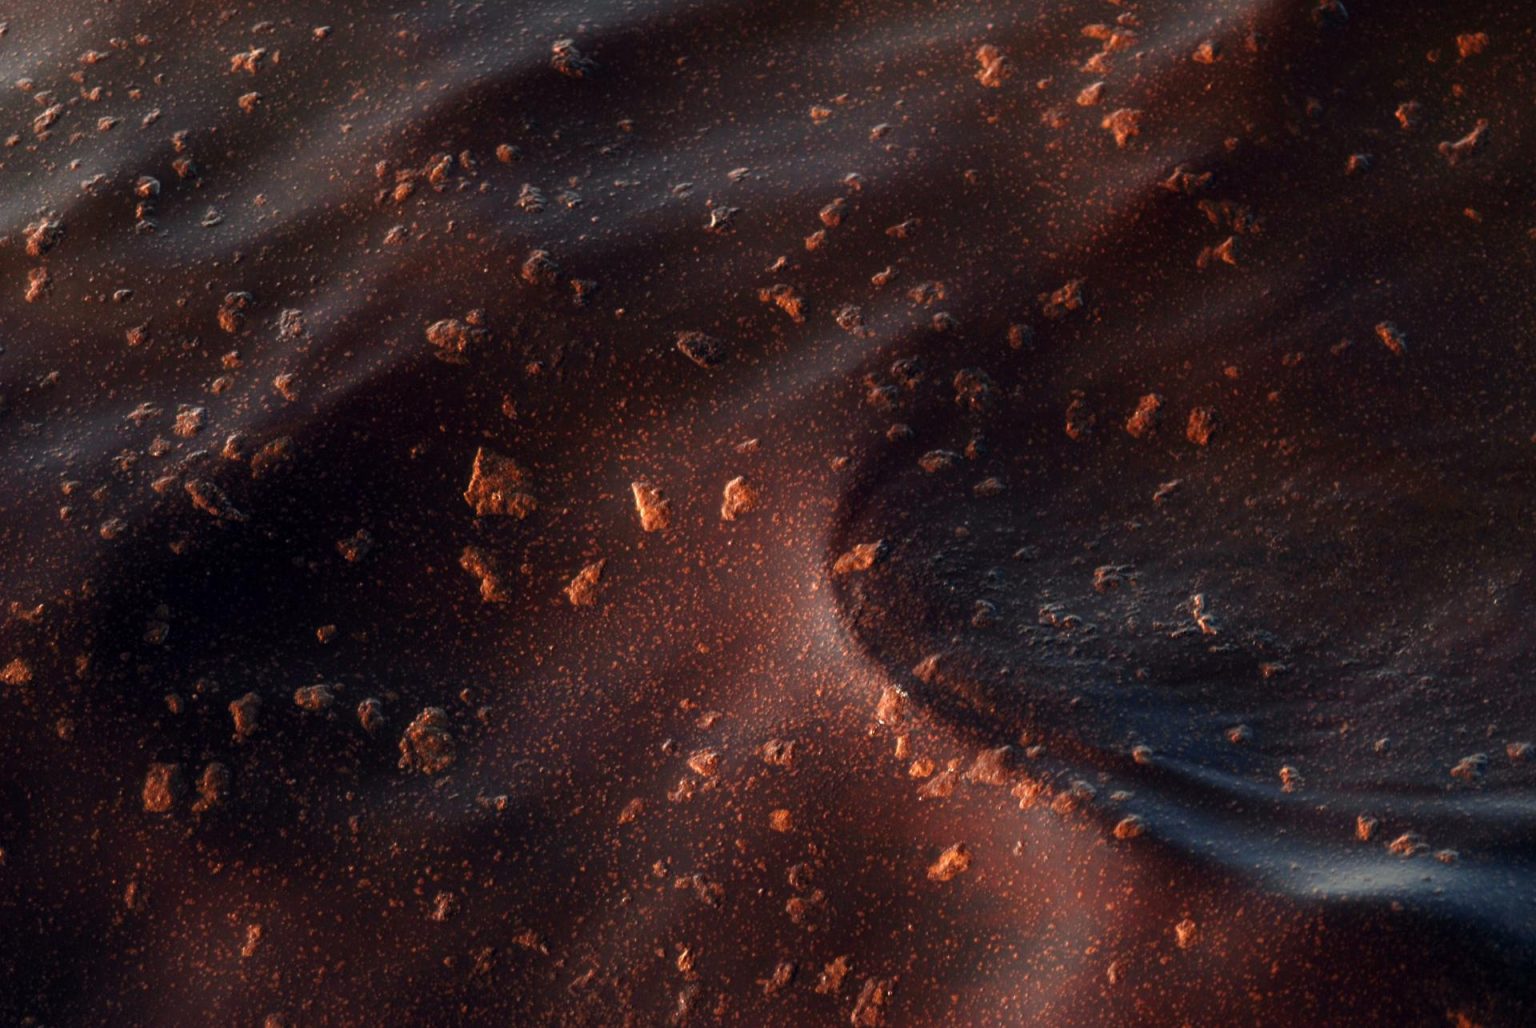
523,514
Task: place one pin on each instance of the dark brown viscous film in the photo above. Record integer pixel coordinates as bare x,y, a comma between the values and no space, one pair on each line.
623,516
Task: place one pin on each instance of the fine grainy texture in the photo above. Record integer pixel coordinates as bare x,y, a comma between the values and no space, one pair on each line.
693,511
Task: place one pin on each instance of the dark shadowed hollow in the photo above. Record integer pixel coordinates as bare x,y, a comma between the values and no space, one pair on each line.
767,514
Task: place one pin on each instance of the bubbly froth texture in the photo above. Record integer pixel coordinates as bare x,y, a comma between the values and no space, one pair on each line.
694,512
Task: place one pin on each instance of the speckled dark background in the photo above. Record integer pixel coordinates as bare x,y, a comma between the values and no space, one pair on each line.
211,382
